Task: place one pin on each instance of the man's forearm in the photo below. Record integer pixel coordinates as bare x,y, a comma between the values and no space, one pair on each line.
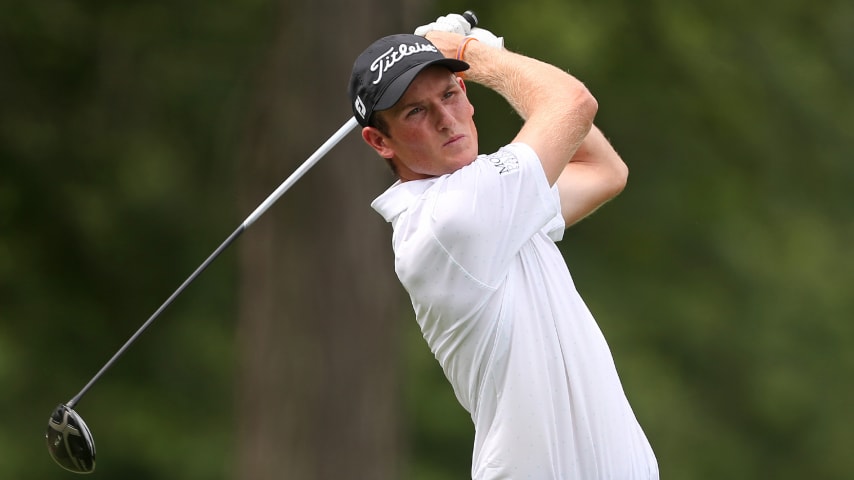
557,108
594,175
529,85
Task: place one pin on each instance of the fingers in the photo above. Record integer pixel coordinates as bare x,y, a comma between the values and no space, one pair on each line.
452,23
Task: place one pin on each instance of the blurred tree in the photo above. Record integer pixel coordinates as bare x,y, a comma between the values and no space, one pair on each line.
319,303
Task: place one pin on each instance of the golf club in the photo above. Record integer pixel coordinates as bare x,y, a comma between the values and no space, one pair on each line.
69,440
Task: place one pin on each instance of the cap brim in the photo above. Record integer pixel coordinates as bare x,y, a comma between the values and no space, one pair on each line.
398,86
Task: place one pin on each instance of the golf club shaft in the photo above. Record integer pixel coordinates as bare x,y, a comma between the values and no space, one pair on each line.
299,172
266,204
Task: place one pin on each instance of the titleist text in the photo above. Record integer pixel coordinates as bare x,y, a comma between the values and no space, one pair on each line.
392,56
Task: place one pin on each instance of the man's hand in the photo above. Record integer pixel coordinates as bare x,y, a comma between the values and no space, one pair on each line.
455,23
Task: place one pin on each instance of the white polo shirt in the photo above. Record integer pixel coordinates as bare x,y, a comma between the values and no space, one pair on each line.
497,306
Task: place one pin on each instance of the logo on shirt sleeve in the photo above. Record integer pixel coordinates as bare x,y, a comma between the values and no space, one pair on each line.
505,162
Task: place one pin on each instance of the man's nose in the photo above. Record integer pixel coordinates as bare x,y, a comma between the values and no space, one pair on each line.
444,117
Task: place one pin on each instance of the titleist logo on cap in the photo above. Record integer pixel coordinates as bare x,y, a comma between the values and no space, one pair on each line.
383,71
395,54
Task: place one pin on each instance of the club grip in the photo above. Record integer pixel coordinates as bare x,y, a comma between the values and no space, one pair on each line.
470,17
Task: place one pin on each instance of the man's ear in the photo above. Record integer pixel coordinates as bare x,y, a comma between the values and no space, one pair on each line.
462,85
377,141
461,82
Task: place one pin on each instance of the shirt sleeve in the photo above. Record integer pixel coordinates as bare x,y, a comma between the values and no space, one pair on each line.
484,213
557,225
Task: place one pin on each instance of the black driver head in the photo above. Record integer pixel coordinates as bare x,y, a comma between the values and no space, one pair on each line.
69,441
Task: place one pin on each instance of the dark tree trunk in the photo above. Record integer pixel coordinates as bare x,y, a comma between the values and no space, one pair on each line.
318,394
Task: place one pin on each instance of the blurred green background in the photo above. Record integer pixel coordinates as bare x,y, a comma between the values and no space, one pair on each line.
722,276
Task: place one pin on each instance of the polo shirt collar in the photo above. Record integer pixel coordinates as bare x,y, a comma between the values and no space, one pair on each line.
400,196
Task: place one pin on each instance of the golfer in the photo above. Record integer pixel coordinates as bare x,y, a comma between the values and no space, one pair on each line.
474,242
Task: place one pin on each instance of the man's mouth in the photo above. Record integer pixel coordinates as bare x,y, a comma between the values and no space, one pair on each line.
453,140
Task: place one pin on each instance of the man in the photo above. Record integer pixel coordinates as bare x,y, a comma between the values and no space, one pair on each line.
474,247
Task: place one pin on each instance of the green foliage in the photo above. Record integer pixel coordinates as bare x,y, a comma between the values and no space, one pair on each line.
117,137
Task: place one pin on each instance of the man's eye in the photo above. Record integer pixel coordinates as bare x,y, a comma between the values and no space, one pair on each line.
414,111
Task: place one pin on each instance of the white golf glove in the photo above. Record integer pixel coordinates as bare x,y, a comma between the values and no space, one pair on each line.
486,37
456,23
452,22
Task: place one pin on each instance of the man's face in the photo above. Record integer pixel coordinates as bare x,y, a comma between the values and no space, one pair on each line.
431,128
